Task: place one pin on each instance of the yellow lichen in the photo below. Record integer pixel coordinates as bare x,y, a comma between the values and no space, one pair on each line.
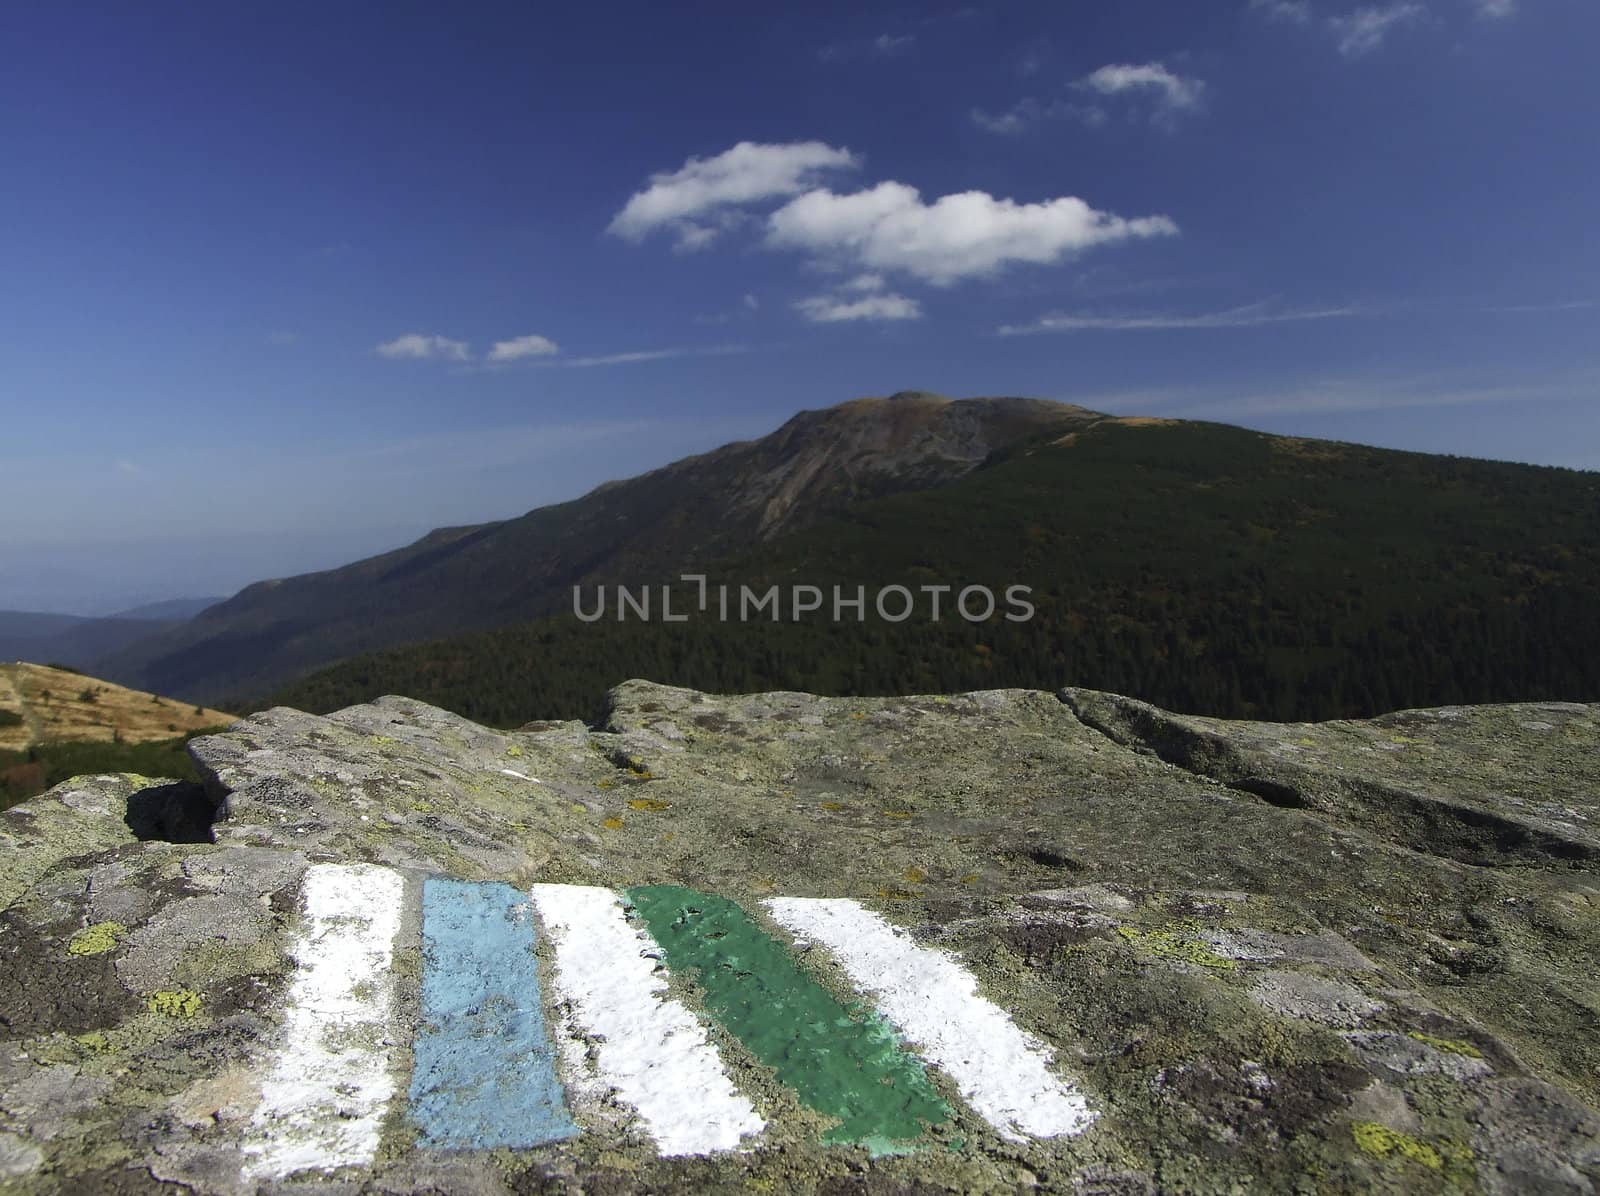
612,824
833,805
1166,944
970,878
1454,1046
178,1002
514,752
898,814
94,1040
97,939
1381,1142
914,875
649,804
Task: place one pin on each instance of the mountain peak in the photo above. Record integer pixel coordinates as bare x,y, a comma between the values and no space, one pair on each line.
697,509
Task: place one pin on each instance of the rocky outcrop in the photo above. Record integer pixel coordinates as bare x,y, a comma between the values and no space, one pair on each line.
1217,957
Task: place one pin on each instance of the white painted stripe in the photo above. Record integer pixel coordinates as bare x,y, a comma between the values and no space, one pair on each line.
1001,1072
324,1100
651,1049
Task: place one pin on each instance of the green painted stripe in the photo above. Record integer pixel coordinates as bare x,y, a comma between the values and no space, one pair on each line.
842,1060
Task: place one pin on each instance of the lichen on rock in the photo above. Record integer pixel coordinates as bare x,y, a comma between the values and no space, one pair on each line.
1335,957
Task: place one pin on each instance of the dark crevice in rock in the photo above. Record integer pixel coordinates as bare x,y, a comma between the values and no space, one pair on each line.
1051,857
179,812
1414,821
1274,793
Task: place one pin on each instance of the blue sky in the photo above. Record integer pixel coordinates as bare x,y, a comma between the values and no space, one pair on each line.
287,284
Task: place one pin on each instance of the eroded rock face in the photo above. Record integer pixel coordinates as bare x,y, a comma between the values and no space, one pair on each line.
1335,957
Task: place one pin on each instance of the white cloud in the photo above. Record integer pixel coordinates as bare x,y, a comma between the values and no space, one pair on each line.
652,355
1372,392
1571,305
1295,12
1495,9
418,346
1366,29
1010,122
966,235
1033,58
515,349
1377,395
693,237
1171,91
748,305
1092,115
746,173
1249,316
1167,95
864,297
885,45
833,309
1028,111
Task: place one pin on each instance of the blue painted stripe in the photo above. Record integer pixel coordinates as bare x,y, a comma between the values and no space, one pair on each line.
485,1069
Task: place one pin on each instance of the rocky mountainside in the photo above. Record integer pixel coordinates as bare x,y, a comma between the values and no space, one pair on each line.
647,528
1002,941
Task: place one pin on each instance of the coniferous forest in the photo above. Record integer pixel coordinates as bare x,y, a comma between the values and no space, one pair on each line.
1202,567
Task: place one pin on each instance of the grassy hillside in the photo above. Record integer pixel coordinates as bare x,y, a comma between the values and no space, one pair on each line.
1202,567
57,723
41,704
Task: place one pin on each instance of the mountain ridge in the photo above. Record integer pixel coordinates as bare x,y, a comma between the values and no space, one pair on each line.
1198,566
77,641
642,528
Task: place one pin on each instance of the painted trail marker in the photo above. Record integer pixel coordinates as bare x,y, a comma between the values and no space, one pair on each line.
933,1001
324,1099
840,1060
652,1052
485,1068
488,1073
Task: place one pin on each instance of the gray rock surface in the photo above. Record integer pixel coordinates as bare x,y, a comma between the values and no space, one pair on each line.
1343,957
